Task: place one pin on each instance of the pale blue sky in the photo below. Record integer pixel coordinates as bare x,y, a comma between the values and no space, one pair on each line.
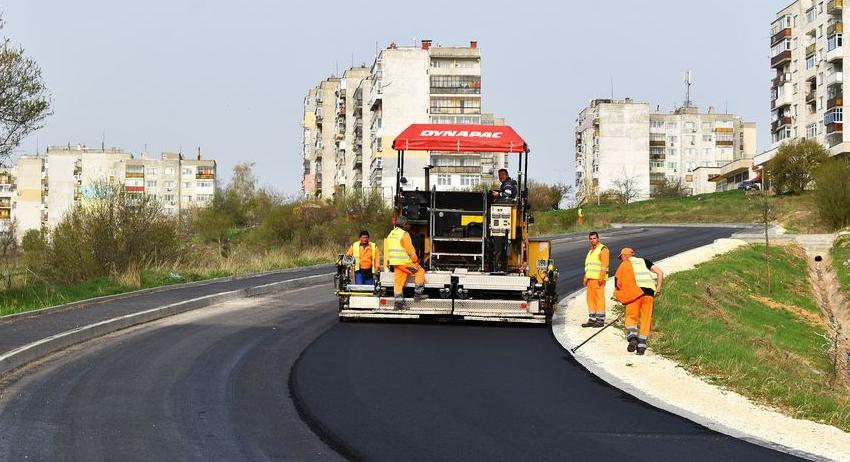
230,76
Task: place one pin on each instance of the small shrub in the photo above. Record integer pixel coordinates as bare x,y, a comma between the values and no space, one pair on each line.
832,193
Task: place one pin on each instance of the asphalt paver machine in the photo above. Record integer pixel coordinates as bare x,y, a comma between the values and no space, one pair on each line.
480,262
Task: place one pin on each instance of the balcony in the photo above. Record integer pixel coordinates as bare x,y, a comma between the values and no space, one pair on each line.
835,101
455,169
781,59
810,50
781,79
205,176
835,54
781,123
835,28
779,36
134,175
835,77
358,159
834,127
811,97
835,7
657,143
784,96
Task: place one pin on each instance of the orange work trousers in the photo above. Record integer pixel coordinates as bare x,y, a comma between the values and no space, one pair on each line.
639,313
402,273
595,298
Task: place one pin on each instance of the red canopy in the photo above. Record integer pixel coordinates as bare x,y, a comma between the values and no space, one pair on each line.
459,138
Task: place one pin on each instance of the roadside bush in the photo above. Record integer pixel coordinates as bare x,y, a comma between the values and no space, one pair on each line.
542,196
106,236
832,193
670,188
792,167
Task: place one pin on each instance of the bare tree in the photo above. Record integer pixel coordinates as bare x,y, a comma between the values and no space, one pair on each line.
24,99
627,186
763,203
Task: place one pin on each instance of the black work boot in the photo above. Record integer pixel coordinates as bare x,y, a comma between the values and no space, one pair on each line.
599,322
398,302
633,343
641,348
419,294
590,323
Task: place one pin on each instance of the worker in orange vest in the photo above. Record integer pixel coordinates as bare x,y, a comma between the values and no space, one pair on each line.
636,288
595,276
367,259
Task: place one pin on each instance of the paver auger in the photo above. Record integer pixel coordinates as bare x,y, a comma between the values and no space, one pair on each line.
480,262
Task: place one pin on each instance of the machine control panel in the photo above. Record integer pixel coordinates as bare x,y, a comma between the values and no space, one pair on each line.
500,220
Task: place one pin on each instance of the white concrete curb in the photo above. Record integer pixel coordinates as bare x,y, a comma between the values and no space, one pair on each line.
35,350
664,384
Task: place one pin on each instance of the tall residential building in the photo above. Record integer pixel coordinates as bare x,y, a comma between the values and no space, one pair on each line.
404,85
49,185
807,55
620,141
612,145
308,145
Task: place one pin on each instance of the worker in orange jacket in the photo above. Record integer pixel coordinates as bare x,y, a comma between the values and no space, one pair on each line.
595,277
402,260
367,259
636,288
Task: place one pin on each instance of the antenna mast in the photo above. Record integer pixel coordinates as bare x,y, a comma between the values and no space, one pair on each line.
688,82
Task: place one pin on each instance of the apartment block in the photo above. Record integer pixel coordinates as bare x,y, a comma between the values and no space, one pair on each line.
807,91
612,145
622,140
371,106
45,187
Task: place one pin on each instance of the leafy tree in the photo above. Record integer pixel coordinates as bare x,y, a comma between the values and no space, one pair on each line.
24,99
542,196
832,192
792,167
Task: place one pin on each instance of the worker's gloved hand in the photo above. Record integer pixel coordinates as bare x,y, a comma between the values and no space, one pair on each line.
601,282
584,282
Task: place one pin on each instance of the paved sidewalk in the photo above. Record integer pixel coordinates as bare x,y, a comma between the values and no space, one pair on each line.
22,329
664,384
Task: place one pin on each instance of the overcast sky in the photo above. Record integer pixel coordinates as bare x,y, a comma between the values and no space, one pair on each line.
230,77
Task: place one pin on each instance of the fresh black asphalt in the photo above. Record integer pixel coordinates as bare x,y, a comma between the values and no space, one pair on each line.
212,385
401,391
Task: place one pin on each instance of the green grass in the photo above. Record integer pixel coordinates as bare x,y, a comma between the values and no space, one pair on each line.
840,254
40,295
719,321
796,213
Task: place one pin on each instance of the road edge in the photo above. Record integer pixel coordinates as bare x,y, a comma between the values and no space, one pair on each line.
23,355
620,383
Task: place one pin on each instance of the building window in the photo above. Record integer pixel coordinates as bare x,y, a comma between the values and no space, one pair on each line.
150,184
150,171
834,42
187,184
169,185
706,138
187,198
168,198
672,126
169,170
656,124
469,180
811,14
690,127
811,130
444,180
205,197
810,63
188,171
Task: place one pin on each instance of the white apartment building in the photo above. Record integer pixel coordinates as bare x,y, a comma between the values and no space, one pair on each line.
623,140
807,92
308,145
47,186
612,144
405,85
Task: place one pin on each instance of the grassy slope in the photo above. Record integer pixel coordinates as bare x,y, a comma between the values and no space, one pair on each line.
35,296
720,322
841,262
796,213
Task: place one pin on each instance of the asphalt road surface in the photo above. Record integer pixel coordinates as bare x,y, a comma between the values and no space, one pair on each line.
215,385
